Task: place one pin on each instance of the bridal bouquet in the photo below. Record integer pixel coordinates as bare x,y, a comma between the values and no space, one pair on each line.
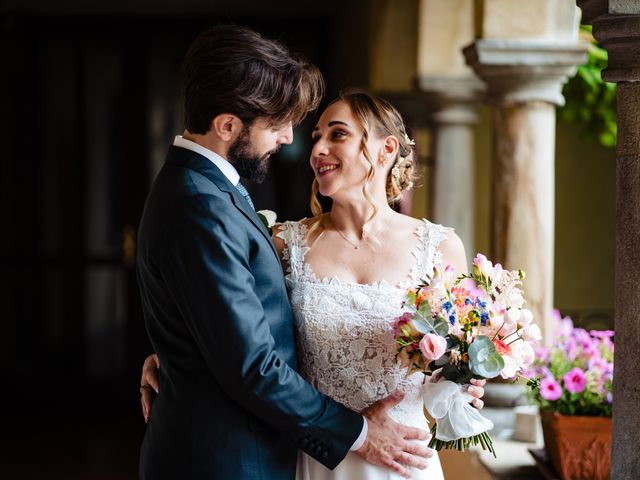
472,326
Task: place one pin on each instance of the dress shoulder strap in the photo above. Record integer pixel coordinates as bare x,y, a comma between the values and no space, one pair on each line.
428,255
293,234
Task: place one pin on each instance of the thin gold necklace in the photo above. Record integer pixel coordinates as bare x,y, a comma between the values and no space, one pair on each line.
355,246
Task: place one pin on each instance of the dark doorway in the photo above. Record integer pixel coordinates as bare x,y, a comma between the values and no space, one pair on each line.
88,107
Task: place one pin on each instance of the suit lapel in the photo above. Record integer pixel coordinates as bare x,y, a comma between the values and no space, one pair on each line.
206,167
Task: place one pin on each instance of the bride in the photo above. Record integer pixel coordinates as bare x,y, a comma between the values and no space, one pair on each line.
348,270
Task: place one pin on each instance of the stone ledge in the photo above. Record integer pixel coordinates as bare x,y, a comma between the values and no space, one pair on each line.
513,461
592,9
620,37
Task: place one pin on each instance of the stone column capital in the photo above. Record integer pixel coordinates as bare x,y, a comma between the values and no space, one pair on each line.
592,9
451,99
524,70
616,25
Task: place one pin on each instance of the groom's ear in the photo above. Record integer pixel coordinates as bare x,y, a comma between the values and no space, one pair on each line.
226,126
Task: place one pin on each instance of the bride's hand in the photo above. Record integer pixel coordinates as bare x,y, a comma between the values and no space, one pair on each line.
476,390
390,444
149,385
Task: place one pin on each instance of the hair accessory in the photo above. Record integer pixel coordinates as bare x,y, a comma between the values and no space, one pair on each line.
409,141
395,171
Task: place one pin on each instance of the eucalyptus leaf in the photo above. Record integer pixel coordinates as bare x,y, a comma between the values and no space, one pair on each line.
423,325
441,326
425,309
484,359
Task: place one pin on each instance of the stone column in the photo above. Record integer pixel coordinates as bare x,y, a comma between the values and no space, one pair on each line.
452,113
524,78
451,92
616,25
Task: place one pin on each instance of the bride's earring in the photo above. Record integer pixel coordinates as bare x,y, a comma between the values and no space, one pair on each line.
383,158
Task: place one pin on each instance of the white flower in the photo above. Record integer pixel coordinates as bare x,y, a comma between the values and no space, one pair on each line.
409,141
510,367
531,333
514,315
522,355
497,273
526,317
501,324
268,217
482,265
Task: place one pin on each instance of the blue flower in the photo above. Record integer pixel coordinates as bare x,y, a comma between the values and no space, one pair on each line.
452,319
447,305
468,301
483,318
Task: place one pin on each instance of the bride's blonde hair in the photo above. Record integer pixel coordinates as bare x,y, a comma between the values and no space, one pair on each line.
380,118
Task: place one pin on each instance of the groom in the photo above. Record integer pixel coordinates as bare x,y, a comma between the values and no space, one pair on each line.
231,403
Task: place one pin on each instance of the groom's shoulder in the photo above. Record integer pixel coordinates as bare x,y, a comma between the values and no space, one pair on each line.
179,194
181,181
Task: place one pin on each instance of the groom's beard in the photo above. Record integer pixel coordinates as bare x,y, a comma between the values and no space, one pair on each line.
249,163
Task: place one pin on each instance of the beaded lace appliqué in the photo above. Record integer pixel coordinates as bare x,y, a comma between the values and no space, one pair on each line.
344,331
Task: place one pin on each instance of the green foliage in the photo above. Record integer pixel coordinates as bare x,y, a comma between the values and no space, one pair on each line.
425,323
591,102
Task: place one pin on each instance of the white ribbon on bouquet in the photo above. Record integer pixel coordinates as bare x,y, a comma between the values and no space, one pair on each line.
449,404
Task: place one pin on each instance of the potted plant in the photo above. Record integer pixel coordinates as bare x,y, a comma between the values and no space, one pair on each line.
574,394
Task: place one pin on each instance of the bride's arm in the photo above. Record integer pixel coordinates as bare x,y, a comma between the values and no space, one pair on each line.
453,253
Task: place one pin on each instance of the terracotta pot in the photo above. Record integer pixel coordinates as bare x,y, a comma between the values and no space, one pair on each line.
579,447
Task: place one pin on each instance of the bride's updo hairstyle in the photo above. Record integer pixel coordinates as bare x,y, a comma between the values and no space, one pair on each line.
380,118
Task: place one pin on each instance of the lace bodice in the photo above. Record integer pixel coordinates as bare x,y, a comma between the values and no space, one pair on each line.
344,330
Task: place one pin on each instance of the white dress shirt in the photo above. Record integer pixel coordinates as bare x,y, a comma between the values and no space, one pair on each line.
233,176
227,169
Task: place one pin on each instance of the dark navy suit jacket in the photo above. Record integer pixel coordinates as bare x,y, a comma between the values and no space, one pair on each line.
231,403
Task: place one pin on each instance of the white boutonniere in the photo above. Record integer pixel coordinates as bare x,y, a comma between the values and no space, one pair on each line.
268,218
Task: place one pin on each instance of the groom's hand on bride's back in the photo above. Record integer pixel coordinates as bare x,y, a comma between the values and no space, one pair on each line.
391,444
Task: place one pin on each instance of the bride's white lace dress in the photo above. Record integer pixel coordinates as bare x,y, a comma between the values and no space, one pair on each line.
346,345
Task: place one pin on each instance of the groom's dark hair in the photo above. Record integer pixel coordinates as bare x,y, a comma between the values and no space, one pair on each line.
232,69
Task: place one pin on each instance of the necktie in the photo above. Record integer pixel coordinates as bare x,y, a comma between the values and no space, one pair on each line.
245,194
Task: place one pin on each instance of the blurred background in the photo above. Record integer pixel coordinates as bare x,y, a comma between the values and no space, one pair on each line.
89,102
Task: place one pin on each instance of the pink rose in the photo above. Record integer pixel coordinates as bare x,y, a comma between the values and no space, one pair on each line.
432,347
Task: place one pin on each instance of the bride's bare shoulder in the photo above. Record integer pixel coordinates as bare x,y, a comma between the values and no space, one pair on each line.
453,251
406,224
